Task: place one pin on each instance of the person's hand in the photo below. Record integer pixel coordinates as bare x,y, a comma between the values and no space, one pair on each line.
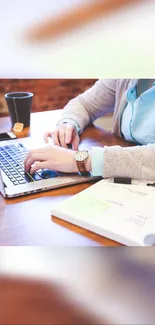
52,157
65,134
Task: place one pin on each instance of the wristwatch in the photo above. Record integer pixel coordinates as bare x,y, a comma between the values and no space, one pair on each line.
81,157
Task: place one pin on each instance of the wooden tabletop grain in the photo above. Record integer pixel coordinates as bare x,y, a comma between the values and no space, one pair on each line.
27,220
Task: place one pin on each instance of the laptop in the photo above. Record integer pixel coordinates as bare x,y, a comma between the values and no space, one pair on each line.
16,181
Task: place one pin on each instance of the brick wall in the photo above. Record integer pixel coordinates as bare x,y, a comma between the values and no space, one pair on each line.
48,93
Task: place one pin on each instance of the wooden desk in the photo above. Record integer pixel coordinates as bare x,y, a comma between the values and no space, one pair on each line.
27,220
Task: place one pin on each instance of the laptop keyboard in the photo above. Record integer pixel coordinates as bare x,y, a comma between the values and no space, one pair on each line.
12,163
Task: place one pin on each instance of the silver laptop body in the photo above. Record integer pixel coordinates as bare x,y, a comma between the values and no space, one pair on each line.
14,181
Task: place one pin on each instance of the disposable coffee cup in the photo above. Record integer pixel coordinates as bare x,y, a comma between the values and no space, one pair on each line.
19,107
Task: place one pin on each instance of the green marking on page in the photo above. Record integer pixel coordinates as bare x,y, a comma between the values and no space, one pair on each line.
84,205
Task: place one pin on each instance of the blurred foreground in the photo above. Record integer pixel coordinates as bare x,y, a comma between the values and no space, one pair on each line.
116,44
26,301
77,286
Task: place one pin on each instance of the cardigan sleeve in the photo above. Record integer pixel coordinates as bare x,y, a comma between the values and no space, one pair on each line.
93,103
136,162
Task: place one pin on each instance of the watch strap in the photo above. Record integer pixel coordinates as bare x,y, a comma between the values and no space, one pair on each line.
82,167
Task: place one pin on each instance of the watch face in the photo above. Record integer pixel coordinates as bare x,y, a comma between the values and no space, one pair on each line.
81,155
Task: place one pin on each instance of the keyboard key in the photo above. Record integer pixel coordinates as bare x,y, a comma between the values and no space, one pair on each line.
8,174
12,179
11,169
22,173
43,175
36,177
14,173
19,178
15,182
18,167
50,173
28,178
22,181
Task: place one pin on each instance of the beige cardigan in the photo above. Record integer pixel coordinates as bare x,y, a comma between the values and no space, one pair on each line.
107,95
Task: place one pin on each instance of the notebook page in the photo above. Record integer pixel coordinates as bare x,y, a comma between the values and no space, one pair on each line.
122,211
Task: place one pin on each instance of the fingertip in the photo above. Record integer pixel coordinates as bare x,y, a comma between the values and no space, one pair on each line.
57,144
32,170
75,146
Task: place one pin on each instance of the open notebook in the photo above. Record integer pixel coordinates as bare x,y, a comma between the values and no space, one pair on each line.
124,213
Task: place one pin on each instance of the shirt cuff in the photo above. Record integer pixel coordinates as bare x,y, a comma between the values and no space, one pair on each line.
73,122
97,160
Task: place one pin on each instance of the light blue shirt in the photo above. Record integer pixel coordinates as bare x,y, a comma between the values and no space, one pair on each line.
127,115
126,119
